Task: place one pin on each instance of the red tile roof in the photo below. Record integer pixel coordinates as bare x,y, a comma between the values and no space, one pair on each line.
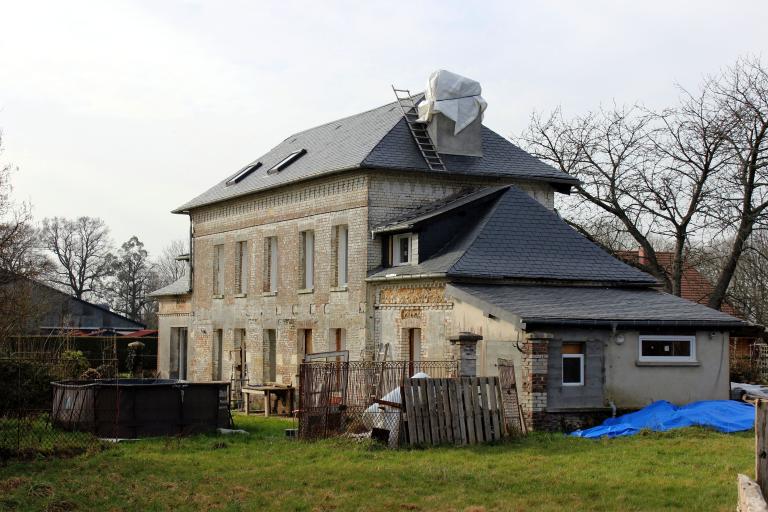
695,287
141,333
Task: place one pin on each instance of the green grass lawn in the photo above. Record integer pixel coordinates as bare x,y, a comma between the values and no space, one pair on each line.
691,469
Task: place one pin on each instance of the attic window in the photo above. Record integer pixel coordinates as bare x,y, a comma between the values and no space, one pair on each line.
242,173
285,162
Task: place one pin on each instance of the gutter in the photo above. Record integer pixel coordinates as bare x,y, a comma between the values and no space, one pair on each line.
403,277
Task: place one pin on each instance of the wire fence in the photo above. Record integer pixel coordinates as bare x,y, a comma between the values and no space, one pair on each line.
359,398
28,366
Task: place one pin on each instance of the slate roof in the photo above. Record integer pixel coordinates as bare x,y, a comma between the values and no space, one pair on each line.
178,287
519,238
564,305
434,209
376,139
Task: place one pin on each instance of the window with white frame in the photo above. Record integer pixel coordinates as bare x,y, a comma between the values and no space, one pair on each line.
572,355
401,249
667,348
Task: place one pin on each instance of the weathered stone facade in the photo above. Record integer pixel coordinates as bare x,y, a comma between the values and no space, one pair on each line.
369,315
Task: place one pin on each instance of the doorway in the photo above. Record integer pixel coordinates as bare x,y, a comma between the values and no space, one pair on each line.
414,350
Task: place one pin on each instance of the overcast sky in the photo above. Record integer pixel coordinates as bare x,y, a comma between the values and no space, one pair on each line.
125,110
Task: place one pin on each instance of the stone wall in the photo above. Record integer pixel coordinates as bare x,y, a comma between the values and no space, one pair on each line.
319,206
172,311
413,305
533,388
360,200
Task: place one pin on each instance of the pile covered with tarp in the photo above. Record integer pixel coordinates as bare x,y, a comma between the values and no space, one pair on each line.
455,96
721,415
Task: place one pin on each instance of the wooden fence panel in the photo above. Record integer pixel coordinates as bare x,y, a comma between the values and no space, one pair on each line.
459,411
761,445
484,384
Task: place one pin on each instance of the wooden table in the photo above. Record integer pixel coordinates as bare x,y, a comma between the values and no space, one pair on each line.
268,391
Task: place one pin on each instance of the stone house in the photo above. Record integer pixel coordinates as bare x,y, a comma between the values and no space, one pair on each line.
345,237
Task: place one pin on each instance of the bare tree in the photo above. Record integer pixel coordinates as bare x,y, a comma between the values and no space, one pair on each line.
742,92
169,268
611,152
133,278
21,259
677,178
82,249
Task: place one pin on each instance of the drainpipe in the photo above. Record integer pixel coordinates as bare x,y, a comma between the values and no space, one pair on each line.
191,252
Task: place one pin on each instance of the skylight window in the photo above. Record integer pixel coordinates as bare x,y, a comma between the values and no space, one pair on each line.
242,173
285,162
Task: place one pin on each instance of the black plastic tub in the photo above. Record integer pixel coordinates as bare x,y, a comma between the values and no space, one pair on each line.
135,408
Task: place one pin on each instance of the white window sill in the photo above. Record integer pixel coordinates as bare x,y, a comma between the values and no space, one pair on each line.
304,291
240,295
219,296
667,363
268,294
339,288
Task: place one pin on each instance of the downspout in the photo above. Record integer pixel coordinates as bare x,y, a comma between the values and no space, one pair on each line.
191,253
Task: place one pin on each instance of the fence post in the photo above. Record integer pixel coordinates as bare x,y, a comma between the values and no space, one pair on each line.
761,448
467,345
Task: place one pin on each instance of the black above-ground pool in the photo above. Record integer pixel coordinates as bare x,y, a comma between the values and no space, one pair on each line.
134,408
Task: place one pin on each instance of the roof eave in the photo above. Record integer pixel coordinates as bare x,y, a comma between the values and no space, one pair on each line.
625,323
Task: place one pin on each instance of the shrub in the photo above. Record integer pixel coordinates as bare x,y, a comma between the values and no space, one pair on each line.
25,385
744,369
73,364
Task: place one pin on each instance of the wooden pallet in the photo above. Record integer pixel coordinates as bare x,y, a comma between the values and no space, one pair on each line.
462,411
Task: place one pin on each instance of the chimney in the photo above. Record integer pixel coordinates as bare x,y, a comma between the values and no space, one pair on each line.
453,110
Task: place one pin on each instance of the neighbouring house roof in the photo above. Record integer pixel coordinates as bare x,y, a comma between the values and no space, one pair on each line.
143,333
694,286
574,305
178,287
54,303
519,239
376,139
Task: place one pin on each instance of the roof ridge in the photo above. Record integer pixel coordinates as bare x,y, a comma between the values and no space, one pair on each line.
347,117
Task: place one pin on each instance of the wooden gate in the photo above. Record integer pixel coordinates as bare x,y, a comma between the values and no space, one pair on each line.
512,410
466,410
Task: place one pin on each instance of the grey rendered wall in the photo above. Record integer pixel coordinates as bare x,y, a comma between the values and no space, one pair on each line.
630,385
590,395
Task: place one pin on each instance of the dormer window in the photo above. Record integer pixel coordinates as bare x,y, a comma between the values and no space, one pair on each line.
288,160
243,173
401,249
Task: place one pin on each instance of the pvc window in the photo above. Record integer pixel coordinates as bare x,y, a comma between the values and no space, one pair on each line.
573,364
243,173
401,249
288,160
667,348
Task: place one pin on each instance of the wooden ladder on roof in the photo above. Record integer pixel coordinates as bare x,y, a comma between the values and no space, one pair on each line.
418,130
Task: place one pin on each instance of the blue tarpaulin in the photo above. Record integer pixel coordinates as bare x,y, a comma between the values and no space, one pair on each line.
722,415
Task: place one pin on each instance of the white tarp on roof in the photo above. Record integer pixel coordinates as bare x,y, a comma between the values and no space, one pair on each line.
456,97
